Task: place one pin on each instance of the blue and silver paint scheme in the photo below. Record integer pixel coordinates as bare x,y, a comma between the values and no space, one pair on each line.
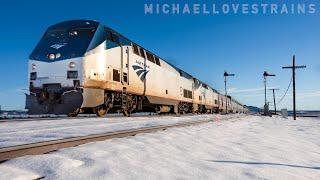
80,64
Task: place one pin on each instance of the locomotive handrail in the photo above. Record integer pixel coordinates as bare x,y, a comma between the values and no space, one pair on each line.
69,91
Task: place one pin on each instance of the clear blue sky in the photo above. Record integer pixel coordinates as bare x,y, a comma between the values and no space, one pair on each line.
203,45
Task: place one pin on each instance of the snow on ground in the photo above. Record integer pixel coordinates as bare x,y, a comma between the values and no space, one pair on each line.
24,132
247,147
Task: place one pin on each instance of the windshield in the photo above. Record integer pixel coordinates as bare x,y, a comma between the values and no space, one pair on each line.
56,33
76,32
64,41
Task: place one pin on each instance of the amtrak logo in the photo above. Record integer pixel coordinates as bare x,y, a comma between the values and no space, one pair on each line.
58,46
141,71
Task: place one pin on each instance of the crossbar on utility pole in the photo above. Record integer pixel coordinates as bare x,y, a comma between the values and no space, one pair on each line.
294,67
274,99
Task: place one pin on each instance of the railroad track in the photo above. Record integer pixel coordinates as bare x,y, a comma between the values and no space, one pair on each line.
76,118
91,117
49,146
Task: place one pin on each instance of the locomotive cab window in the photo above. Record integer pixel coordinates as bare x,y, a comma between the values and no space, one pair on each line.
82,32
115,38
112,37
55,33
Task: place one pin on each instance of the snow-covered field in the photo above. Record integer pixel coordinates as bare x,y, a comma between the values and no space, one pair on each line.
245,147
24,132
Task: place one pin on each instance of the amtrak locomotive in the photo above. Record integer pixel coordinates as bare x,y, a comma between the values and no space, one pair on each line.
81,66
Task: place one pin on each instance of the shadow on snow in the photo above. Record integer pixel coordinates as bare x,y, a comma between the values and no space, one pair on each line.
265,163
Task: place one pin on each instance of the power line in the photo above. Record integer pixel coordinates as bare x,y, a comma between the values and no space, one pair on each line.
285,92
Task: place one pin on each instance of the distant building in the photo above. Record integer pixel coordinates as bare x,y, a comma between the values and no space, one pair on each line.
5,113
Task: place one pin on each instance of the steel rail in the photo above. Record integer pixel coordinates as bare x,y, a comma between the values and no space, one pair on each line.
8,153
76,118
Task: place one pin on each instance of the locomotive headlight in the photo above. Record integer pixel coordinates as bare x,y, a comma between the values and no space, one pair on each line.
72,65
52,56
33,67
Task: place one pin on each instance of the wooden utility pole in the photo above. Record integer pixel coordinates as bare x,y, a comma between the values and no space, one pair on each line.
274,100
225,74
266,106
294,67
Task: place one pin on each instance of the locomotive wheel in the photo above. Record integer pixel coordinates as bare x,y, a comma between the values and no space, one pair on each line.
126,113
100,111
74,113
